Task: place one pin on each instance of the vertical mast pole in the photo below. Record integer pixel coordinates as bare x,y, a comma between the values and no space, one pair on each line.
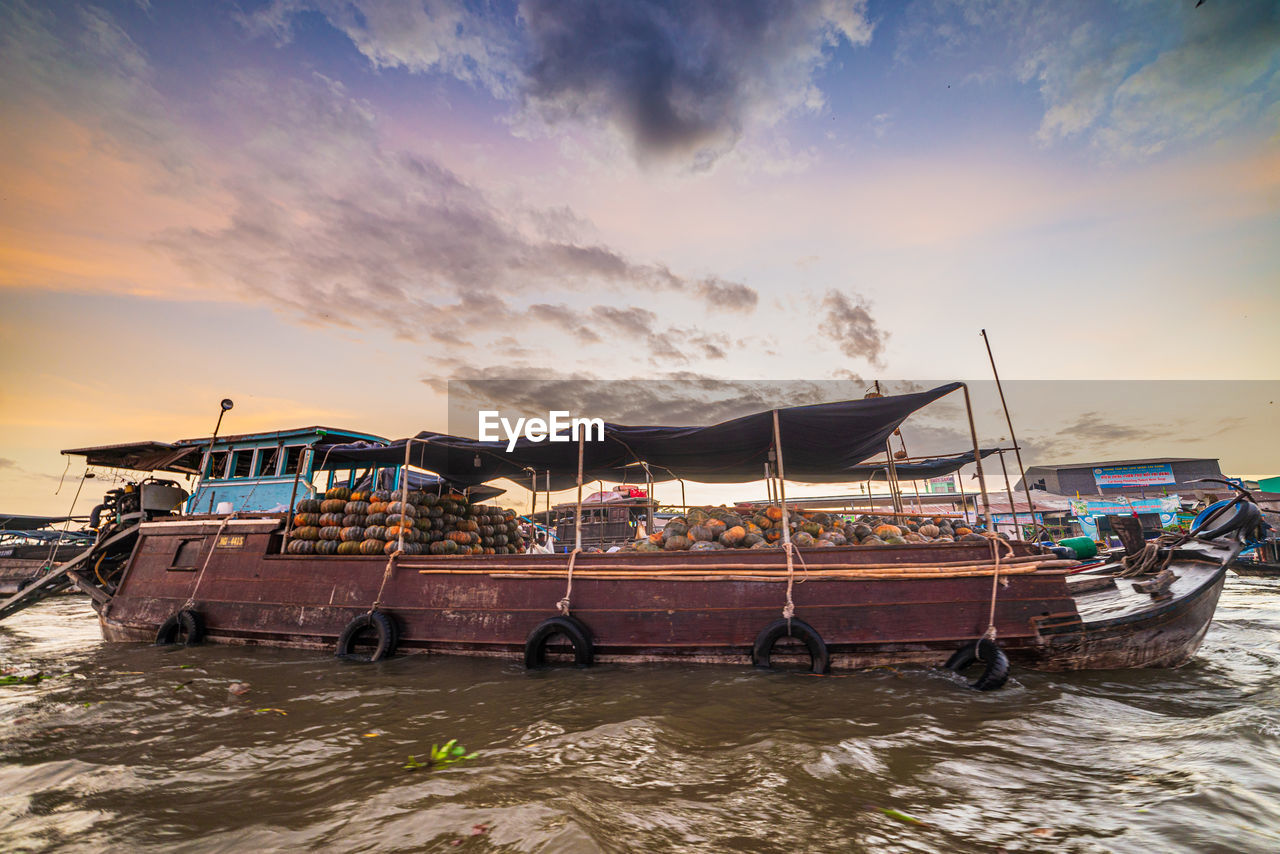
577,524
1017,453
782,486
1009,492
977,454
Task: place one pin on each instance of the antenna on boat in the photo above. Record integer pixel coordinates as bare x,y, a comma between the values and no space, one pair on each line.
1031,507
226,405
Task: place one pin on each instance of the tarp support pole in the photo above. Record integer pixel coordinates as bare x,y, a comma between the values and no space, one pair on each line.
404,495
1017,453
577,522
977,454
894,494
782,487
1013,508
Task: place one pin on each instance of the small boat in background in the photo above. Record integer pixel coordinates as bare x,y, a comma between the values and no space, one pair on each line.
31,545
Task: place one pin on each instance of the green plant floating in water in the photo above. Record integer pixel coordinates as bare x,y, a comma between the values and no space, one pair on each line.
441,756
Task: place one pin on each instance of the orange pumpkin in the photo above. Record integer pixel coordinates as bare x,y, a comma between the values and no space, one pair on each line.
773,514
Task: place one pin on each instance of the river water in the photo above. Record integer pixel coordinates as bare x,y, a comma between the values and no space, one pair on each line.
146,749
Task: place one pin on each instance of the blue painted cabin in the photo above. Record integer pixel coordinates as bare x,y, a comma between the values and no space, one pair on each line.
270,471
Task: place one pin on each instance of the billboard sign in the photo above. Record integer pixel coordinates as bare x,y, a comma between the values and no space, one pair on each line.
946,483
1140,475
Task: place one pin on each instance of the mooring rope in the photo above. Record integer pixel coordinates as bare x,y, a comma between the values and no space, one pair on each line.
1148,560
386,576
191,600
996,545
563,605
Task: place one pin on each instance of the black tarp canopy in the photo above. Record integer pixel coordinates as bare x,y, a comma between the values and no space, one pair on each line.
915,469
142,456
821,443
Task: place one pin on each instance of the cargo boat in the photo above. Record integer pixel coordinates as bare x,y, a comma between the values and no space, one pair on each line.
230,578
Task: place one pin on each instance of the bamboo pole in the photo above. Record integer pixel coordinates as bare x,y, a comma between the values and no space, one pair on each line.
577,522
782,485
977,454
1031,506
1013,508
404,495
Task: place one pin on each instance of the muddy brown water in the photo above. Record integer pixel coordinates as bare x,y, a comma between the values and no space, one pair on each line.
139,748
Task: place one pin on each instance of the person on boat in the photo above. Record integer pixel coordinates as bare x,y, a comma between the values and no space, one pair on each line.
539,545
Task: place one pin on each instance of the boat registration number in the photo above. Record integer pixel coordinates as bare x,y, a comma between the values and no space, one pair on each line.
230,541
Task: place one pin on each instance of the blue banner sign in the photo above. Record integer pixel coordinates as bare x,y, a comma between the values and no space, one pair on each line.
1141,475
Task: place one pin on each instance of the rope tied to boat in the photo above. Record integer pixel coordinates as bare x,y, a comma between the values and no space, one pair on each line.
996,545
563,605
191,600
789,609
1148,561
386,576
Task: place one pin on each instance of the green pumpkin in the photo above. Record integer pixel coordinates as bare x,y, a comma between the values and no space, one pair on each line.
803,538
309,505
333,505
701,534
331,532
309,533
301,547
342,493
352,534
349,547
677,543
328,519
359,508
327,547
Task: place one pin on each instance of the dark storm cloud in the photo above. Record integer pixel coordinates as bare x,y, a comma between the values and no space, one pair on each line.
680,81
849,323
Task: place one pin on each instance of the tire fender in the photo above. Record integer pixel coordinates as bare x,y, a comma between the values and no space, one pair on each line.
382,625
985,651
762,650
535,645
185,628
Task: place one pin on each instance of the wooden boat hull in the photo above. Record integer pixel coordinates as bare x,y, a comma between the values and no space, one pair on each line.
1255,569
488,605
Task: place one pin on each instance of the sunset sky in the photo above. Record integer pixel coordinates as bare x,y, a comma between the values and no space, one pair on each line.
327,209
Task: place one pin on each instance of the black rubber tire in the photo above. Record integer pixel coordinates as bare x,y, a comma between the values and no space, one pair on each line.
762,650
184,628
1235,516
535,646
985,651
382,625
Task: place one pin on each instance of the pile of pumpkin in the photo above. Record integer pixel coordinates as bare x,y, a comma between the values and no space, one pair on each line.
352,522
710,528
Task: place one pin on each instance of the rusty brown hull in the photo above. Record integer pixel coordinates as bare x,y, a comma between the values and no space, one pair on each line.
487,605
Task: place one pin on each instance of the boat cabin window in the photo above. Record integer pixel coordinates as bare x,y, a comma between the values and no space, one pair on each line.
217,465
241,463
268,460
292,457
